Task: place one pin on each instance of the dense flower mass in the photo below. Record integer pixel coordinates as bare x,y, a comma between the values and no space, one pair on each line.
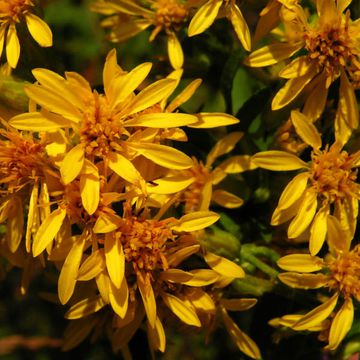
133,197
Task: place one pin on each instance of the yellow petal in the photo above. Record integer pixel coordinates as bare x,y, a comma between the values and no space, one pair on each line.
170,185
197,220
202,277
103,285
162,120
148,297
176,276
272,54
124,168
163,155
15,224
39,30
12,46
317,315
298,67
92,266
293,191
184,311
237,164
36,121
278,161
53,81
119,298
318,230
238,304
179,256
316,101
304,281
300,263
69,270
292,89
128,29
281,216
336,237
85,307
3,28
211,120
341,324
223,146
305,216
47,231
32,215
204,17
53,101
306,129
72,164
175,52
240,26
122,86
244,343
115,259
106,223
226,199
347,102
90,187
157,335
184,96
224,266
151,95
200,300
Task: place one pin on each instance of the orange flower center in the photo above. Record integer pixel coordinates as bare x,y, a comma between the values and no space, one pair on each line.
20,159
193,194
100,132
144,243
13,9
170,13
345,273
331,46
332,174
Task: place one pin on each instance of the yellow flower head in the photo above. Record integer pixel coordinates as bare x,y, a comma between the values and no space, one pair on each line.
127,19
339,272
211,9
331,51
328,185
11,13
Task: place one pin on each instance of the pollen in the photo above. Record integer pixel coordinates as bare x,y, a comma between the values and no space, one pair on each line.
192,195
170,13
331,46
345,273
332,174
100,132
14,9
145,243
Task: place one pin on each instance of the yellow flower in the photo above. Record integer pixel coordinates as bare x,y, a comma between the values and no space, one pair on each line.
13,12
136,267
194,186
24,170
327,185
128,18
339,272
329,50
208,12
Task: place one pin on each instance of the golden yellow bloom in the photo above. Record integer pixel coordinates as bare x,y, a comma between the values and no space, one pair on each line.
339,272
128,18
13,12
24,169
327,185
331,51
194,186
211,9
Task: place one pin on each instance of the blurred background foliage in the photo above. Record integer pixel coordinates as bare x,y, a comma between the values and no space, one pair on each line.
229,86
